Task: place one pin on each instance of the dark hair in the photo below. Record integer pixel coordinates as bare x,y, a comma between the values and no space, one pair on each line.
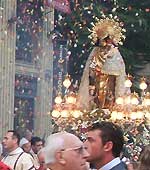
144,163
35,139
110,132
16,135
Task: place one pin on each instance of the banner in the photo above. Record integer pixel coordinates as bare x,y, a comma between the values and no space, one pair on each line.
60,66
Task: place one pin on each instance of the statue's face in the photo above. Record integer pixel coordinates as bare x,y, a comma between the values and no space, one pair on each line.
115,42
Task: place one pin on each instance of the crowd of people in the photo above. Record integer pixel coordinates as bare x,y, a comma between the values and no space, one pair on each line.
101,150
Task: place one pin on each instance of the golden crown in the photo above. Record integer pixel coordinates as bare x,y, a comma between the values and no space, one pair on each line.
107,27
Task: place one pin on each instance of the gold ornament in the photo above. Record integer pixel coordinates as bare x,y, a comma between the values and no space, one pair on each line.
107,27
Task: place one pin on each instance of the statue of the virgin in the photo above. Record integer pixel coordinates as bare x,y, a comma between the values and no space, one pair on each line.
104,73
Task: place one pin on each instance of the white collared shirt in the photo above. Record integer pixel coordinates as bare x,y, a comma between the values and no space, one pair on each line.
36,160
111,164
25,161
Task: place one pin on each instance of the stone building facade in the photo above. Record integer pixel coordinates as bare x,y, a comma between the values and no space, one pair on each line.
23,79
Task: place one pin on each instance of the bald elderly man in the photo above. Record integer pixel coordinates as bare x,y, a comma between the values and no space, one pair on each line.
65,151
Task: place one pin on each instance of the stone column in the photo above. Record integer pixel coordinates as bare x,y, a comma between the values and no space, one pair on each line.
43,104
7,63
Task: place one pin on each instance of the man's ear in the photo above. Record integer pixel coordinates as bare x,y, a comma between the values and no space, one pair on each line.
15,140
60,158
108,146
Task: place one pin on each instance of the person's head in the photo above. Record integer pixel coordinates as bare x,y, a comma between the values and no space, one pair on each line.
41,159
144,163
104,142
25,145
11,140
65,151
28,135
132,165
36,144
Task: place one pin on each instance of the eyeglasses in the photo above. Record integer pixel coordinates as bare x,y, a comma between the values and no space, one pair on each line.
80,149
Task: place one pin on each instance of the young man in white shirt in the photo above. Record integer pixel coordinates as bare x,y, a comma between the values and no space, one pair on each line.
36,146
16,158
104,143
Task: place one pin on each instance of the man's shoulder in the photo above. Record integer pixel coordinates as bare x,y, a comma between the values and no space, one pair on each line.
120,166
26,155
26,161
